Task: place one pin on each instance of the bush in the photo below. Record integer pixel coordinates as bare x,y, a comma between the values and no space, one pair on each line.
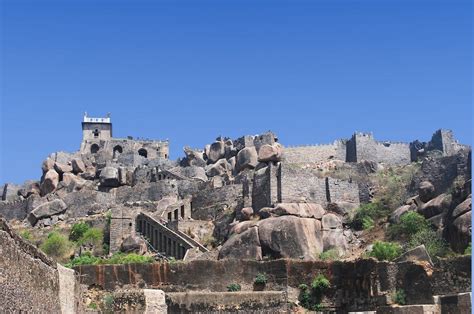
26,235
468,250
56,245
410,224
399,297
320,283
131,258
261,279
93,306
92,236
329,255
233,287
367,223
386,251
78,230
118,258
367,214
434,244
85,259
109,302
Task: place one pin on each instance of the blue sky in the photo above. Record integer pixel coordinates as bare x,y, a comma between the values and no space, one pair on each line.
188,71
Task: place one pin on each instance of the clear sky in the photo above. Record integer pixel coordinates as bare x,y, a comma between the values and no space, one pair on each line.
188,71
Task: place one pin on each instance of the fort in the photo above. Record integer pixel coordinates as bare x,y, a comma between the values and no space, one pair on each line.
240,207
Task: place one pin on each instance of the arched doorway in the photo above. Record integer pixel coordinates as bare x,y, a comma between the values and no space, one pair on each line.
117,151
94,148
142,152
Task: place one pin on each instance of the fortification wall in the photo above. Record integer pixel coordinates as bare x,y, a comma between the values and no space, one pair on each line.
114,147
393,153
315,153
30,282
14,209
355,285
301,185
261,189
342,191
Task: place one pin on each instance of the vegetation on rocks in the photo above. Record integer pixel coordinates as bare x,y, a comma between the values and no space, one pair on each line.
234,287
329,255
311,298
56,245
118,258
386,251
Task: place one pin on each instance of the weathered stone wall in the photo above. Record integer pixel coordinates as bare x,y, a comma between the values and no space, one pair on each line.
315,153
153,191
30,281
363,146
114,147
122,225
262,302
342,191
301,185
208,203
355,285
14,209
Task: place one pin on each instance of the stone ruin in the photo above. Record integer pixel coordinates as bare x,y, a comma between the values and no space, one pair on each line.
251,197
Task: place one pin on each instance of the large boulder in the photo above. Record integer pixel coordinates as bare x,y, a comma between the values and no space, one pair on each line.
109,177
48,209
462,208
335,239
399,212
246,158
417,254
242,226
216,151
50,182
220,168
268,153
436,206
291,237
78,166
47,165
459,232
245,245
193,158
331,221
245,213
304,210
426,191
30,188
62,168
133,244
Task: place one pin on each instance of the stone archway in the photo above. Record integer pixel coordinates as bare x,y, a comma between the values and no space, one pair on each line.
94,148
143,152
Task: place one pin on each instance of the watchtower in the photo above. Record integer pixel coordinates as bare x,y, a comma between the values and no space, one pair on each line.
96,128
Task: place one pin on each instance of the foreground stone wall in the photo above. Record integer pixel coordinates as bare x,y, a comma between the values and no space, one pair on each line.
355,285
30,281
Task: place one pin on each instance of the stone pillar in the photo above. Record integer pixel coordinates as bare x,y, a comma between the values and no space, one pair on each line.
155,301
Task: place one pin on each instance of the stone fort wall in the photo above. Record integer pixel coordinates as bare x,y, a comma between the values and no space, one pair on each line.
361,146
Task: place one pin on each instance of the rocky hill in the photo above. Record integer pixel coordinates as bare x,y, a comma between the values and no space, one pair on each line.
249,198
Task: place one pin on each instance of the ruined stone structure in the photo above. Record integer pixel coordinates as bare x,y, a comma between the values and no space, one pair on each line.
97,138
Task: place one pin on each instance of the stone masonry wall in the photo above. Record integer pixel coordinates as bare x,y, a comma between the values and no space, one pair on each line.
316,153
340,190
30,281
301,185
14,210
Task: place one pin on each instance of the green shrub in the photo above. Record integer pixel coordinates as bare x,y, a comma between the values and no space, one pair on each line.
85,259
329,255
304,296
78,230
93,306
261,279
368,213
320,283
56,245
93,236
26,235
385,251
130,258
233,287
434,244
118,258
410,224
367,223
399,297
468,250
